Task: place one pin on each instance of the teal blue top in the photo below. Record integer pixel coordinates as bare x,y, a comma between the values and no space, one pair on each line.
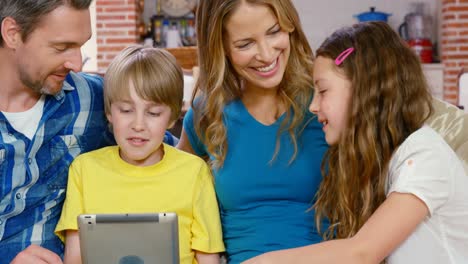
263,204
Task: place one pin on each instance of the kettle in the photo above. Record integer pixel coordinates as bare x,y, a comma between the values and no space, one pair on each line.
372,15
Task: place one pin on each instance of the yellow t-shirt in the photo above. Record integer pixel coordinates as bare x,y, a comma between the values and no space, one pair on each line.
101,182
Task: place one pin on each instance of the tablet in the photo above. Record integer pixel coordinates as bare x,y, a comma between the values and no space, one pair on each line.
129,238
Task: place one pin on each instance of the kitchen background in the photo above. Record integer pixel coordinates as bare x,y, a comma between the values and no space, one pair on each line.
116,24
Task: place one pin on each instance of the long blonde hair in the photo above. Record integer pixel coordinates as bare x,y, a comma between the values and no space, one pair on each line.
219,84
390,100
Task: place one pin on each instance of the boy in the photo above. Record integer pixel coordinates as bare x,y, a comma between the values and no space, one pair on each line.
143,93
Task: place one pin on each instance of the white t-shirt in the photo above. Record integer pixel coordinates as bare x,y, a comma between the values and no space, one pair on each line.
425,166
27,122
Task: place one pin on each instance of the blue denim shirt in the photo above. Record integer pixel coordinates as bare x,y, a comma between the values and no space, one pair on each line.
33,173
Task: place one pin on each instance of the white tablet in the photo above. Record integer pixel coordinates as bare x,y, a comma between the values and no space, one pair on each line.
129,238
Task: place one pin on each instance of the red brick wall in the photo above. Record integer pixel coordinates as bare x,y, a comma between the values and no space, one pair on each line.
116,24
454,44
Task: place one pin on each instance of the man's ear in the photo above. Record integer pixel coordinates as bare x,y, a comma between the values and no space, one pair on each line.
11,33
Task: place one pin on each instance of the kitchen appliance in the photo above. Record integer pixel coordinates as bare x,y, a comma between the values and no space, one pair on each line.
417,31
372,15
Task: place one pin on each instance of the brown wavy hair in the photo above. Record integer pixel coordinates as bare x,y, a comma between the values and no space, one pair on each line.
219,84
390,100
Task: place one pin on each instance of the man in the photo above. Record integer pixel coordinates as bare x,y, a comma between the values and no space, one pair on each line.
48,115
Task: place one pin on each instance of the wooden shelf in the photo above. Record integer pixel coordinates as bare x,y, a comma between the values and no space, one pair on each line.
185,56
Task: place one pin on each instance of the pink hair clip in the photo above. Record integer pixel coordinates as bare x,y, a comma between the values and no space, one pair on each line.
343,56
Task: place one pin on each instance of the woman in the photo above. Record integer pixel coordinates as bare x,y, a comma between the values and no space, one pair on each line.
250,119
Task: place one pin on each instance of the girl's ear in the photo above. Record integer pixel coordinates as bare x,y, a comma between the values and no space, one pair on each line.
11,32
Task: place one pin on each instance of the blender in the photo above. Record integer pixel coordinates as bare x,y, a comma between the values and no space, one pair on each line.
417,31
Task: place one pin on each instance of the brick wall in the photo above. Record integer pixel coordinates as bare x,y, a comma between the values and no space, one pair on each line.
454,44
116,23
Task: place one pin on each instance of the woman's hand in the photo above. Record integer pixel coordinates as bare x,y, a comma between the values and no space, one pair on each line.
260,259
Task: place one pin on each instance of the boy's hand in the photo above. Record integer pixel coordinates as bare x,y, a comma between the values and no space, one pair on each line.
207,258
35,254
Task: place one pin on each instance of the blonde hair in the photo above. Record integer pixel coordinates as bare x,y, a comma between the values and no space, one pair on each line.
219,84
153,72
390,100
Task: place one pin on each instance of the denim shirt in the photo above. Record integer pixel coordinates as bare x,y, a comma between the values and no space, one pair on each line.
33,173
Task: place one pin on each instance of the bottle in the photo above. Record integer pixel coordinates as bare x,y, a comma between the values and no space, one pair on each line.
173,37
190,33
157,33
164,30
183,30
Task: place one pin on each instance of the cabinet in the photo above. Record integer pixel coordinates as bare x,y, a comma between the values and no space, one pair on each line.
185,56
434,73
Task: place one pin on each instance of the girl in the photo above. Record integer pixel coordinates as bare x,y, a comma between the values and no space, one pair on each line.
392,186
